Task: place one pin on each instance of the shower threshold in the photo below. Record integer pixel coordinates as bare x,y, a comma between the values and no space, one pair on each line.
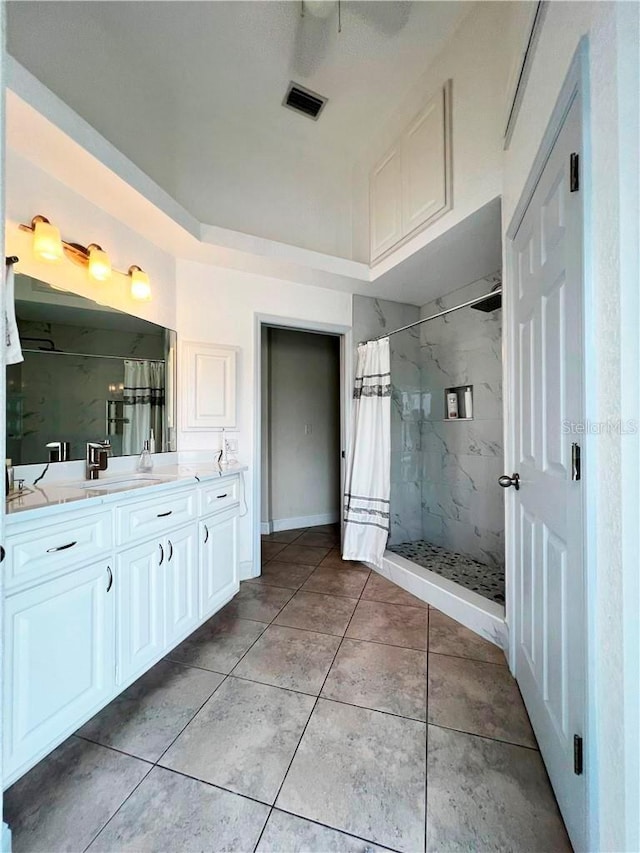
487,581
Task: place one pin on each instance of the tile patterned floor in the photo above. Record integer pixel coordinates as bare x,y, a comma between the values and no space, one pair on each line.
487,581
324,709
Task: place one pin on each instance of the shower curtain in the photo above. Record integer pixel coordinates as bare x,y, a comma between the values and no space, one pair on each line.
143,398
368,469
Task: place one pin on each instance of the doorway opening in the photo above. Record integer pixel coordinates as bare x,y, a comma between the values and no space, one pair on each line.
300,438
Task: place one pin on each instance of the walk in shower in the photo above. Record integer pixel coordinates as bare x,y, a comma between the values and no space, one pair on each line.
446,507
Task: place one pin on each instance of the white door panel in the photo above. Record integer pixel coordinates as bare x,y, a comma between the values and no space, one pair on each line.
545,323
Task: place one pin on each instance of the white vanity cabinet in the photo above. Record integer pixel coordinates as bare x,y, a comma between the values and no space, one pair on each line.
59,650
218,560
83,621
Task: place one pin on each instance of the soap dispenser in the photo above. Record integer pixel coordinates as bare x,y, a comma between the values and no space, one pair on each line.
145,462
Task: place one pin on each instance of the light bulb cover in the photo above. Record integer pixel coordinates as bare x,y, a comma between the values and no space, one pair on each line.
99,262
140,285
47,243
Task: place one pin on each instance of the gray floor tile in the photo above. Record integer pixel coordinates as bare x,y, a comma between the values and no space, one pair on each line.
69,796
476,697
448,637
327,614
290,658
331,581
270,550
284,575
243,739
336,779
170,812
334,558
286,537
149,715
384,678
259,602
381,589
220,643
302,554
319,540
286,833
390,623
485,795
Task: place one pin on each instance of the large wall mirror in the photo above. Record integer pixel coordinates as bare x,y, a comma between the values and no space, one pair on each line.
89,373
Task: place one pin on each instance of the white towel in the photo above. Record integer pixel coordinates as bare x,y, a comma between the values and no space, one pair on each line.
13,350
368,473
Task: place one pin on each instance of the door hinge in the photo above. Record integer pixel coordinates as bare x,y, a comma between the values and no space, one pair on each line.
577,755
576,463
343,454
574,173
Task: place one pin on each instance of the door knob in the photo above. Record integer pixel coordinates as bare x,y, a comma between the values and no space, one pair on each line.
506,481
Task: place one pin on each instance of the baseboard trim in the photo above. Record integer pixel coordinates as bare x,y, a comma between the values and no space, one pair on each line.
265,528
279,524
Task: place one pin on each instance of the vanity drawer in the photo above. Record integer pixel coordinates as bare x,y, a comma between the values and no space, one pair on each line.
153,517
39,551
219,495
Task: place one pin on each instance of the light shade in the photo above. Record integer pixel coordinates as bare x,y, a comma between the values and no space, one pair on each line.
99,263
140,285
46,240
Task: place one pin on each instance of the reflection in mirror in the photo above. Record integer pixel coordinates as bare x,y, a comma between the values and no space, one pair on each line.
89,373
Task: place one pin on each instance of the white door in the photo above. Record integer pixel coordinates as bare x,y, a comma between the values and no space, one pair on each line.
181,579
59,644
218,560
549,586
140,592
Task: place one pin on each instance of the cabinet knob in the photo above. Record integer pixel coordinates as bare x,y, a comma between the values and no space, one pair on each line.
110,576
170,551
161,553
61,547
206,534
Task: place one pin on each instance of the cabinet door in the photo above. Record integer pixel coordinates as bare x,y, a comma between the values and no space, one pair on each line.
140,594
425,165
209,380
59,646
218,561
181,584
385,188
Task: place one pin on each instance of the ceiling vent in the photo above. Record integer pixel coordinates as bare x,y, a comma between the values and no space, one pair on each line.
304,101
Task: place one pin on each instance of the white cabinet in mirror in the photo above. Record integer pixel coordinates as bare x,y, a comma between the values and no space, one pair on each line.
90,373
100,590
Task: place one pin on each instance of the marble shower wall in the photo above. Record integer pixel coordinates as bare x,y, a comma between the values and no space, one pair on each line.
462,503
63,397
371,318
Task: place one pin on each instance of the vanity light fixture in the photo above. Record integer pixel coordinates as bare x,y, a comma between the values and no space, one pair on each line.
140,286
49,246
98,262
47,243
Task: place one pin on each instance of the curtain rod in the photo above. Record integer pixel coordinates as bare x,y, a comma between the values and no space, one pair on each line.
440,314
94,355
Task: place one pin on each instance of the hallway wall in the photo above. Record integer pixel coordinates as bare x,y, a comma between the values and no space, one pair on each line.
303,429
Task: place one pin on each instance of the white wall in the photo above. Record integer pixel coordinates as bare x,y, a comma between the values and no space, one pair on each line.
610,166
304,391
478,64
220,306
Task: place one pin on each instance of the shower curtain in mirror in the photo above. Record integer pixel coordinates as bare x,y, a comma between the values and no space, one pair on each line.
368,469
143,397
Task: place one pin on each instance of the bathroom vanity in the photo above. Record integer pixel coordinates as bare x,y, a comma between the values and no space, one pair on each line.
102,580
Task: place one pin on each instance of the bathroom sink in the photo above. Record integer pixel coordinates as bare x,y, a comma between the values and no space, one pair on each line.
117,485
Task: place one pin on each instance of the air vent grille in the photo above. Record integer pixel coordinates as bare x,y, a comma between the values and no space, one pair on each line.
304,101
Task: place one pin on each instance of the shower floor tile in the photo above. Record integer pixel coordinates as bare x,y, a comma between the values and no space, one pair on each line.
487,581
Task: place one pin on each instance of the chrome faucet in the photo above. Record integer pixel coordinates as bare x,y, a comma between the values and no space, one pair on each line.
97,458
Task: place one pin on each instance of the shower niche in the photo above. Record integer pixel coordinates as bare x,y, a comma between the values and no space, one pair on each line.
458,403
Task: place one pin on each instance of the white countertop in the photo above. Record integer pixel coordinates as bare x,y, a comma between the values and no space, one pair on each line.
42,499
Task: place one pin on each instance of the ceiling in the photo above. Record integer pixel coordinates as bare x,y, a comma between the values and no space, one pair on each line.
191,92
